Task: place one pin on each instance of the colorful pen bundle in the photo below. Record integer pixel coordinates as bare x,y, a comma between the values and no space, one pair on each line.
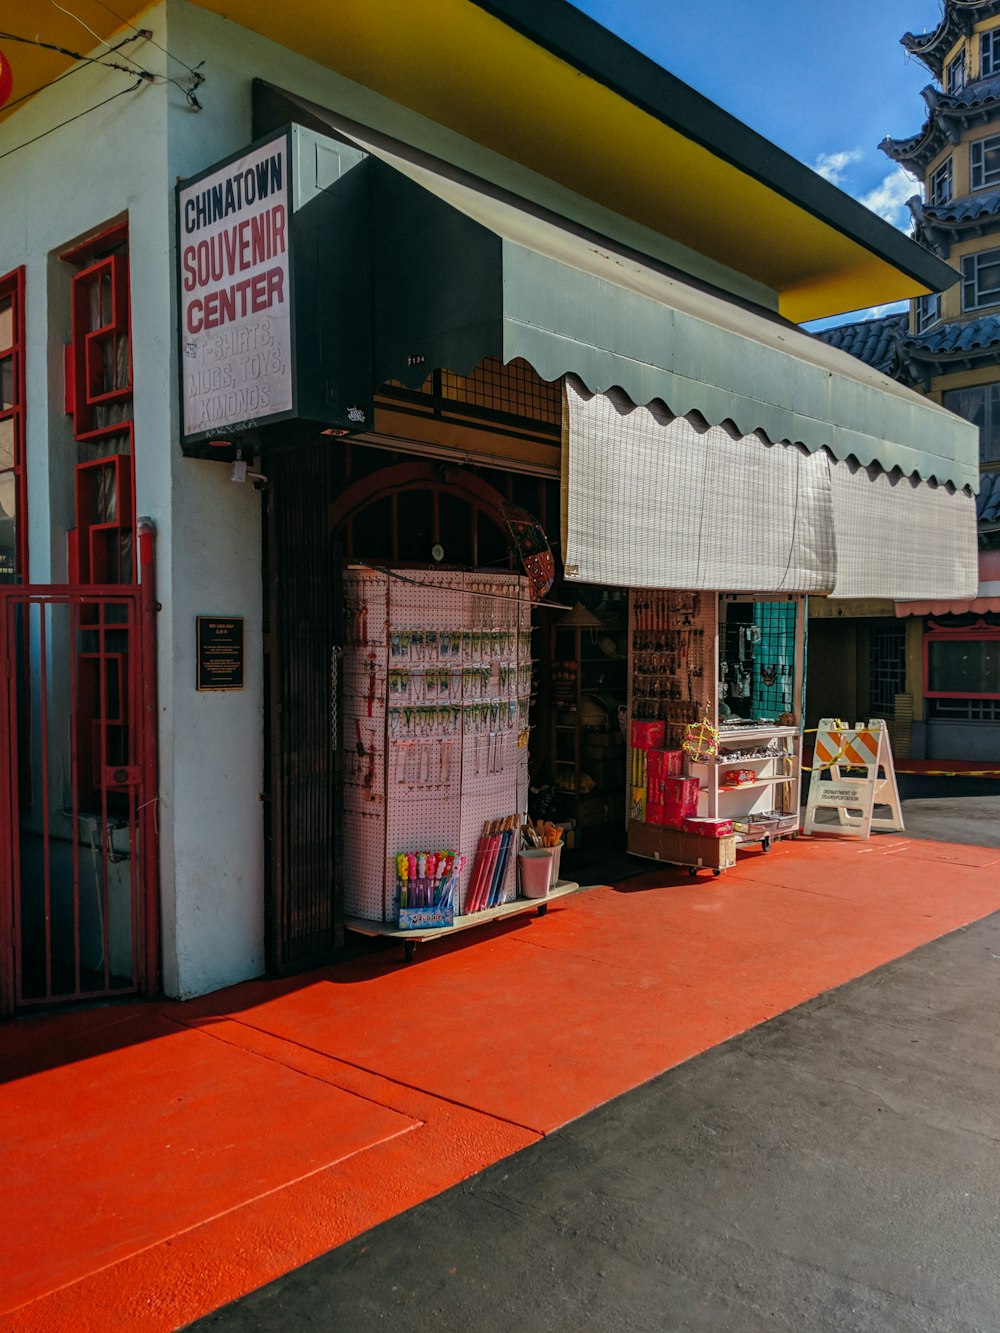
428,879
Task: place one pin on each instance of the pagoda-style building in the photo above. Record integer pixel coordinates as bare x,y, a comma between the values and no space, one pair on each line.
946,657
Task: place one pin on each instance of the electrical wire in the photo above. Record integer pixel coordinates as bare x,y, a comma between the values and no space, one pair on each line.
130,68
96,35
121,19
26,97
133,68
77,19
148,36
140,83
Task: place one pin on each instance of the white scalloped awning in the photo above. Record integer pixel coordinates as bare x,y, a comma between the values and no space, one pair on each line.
655,501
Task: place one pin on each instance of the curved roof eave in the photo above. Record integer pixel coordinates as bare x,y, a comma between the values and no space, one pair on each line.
956,22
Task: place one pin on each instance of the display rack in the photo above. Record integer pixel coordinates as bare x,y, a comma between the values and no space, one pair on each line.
437,684
763,802
688,651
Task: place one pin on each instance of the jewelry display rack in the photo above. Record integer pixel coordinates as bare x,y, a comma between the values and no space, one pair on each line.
437,688
747,769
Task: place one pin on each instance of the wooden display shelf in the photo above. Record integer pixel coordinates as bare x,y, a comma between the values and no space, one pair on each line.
679,848
411,938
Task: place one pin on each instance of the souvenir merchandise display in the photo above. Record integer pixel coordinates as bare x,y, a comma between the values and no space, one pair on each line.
713,684
437,687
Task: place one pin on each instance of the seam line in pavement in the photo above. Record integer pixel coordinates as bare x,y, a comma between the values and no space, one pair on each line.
213,1217
372,1073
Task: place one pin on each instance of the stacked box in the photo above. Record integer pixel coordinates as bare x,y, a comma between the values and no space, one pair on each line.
708,828
648,735
672,800
637,809
664,764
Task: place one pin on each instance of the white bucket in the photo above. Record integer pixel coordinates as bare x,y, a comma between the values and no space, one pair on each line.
535,871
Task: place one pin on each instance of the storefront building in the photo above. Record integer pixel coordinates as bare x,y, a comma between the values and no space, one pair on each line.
932,665
358,333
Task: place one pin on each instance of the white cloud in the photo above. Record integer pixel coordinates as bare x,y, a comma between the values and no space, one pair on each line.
831,166
888,200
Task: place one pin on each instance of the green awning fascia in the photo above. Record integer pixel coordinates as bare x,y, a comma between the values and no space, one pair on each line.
737,366
569,302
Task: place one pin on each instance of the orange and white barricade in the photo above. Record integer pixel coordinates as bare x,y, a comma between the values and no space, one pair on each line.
836,784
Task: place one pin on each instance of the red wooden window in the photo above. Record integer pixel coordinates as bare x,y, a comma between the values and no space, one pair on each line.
99,399
13,471
962,674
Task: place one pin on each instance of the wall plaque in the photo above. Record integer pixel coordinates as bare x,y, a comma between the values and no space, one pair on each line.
220,652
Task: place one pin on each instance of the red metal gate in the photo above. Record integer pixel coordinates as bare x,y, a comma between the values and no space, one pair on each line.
78,884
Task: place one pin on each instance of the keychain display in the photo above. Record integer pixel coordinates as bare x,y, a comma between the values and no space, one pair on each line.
438,687
670,632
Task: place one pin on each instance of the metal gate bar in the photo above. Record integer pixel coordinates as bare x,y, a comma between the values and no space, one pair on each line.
76,828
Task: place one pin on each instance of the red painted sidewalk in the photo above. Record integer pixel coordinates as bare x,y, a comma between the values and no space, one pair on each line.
160,1160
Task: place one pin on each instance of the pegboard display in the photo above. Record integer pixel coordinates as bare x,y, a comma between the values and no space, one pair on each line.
672,656
733,665
757,648
437,684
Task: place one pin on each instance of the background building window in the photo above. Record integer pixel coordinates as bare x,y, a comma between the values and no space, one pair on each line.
984,162
981,406
962,675
954,74
927,311
939,186
981,280
13,474
989,53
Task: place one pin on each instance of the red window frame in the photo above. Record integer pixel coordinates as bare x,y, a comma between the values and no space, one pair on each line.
100,308
12,286
966,635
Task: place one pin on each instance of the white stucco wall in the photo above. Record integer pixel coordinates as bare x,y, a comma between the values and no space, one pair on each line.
126,158
73,181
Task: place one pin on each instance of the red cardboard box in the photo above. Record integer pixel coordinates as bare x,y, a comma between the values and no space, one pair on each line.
680,800
708,828
655,814
648,735
664,764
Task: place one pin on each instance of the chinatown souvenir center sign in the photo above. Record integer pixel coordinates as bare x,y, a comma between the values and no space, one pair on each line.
235,294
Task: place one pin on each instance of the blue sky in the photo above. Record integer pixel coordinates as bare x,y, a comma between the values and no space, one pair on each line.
825,80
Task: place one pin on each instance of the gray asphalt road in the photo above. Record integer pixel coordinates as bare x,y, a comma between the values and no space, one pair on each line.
952,810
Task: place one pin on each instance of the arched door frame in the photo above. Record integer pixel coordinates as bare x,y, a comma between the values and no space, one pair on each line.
437,478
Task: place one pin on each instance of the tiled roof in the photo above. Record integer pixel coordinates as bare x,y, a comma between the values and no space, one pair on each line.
872,341
947,114
976,335
956,21
988,499
973,94
966,209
